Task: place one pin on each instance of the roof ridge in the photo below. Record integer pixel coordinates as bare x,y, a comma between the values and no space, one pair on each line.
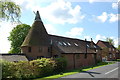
65,37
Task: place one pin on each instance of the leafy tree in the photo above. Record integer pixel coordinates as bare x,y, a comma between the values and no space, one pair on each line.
118,47
110,40
9,10
17,36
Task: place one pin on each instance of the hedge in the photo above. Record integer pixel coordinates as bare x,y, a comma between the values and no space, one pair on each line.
32,69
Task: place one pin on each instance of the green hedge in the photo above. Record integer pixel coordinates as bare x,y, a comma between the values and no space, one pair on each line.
44,66
7,69
61,64
32,69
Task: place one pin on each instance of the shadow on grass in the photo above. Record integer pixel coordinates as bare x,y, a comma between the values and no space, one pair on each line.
82,69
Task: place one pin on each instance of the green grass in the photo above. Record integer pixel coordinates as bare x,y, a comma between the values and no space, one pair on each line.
75,71
118,60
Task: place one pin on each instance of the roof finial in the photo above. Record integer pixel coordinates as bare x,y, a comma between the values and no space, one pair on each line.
91,40
37,17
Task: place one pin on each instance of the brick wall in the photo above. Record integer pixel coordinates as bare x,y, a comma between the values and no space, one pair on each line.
78,60
35,52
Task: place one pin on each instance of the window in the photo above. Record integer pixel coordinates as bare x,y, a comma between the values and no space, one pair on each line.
51,42
109,49
110,55
40,49
60,43
96,50
88,46
114,55
68,43
64,43
29,49
76,44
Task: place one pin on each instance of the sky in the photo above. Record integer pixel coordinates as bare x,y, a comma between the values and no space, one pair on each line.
96,19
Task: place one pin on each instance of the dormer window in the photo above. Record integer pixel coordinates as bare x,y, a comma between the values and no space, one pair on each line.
88,46
64,43
60,43
76,44
29,49
68,43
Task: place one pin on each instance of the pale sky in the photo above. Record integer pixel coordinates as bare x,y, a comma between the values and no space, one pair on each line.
97,19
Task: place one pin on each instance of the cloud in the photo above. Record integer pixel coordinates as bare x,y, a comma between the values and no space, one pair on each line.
115,5
58,11
62,12
103,17
50,28
5,28
91,1
76,31
113,17
100,37
87,37
106,17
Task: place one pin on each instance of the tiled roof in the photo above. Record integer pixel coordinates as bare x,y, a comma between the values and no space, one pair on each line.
71,45
37,35
107,44
13,57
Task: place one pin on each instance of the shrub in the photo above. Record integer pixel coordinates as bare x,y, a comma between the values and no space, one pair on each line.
25,70
32,69
61,64
7,69
45,66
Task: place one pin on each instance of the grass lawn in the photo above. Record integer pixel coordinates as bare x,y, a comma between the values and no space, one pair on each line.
118,60
75,71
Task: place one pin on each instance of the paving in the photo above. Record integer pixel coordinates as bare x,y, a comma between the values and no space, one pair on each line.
108,71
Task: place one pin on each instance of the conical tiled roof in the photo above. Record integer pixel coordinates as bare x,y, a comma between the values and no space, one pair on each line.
37,35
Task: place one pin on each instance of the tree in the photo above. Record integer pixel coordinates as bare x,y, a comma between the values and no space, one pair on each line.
110,40
118,47
17,36
9,10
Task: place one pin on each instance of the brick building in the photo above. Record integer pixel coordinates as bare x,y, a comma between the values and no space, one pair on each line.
38,43
109,52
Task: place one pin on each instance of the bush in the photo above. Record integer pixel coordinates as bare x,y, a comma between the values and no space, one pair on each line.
25,70
7,69
45,66
61,64
32,69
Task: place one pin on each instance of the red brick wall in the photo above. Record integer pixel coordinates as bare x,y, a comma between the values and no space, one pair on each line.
35,52
70,60
73,61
